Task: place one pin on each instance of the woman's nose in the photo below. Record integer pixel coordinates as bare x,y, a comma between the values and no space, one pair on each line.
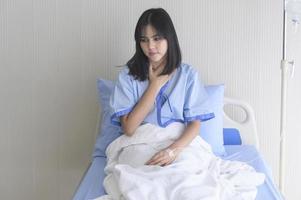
151,44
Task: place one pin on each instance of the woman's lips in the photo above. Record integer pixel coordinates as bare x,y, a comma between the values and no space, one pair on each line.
152,54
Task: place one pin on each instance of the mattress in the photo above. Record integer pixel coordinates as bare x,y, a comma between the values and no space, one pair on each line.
91,184
249,155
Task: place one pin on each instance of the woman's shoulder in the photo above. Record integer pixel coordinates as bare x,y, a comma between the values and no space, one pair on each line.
125,76
187,69
124,69
124,72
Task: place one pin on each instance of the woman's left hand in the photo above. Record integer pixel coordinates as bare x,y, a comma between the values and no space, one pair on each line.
164,157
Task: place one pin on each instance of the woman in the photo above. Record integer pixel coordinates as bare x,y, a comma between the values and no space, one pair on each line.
159,102
153,78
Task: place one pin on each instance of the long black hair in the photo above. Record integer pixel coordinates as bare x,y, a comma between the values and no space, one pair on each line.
159,19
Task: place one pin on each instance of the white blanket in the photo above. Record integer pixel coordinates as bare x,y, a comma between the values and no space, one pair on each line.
196,174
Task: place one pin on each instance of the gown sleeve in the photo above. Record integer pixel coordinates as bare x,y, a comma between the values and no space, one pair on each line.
122,100
196,104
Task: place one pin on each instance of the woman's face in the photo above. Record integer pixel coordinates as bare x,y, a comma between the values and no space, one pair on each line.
153,45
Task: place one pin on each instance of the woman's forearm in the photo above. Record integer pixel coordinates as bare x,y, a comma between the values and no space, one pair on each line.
190,132
131,121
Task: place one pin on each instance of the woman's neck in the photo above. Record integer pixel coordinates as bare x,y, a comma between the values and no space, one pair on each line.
156,65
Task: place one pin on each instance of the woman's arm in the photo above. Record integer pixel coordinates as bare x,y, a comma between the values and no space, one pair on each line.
168,155
132,120
190,132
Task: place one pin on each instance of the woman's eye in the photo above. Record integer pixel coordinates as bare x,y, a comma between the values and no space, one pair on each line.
143,40
157,38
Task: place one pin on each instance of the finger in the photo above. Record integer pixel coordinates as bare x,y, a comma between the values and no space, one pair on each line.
160,70
165,163
150,69
154,157
156,72
162,164
149,161
152,161
170,160
168,163
158,161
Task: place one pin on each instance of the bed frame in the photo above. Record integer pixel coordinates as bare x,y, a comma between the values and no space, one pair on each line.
241,134
247,128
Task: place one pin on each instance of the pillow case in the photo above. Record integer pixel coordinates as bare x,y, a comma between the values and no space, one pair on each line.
211,130
106,131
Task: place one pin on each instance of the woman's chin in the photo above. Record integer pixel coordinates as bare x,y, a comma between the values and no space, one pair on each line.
155,61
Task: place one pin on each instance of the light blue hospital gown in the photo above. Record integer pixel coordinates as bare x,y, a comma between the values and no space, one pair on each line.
182,99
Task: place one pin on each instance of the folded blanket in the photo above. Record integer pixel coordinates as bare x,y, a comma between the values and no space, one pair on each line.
196,174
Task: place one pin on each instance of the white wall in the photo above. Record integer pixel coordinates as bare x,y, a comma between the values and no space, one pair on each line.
51,53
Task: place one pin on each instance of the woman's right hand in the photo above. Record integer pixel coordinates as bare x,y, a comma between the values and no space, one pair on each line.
155,78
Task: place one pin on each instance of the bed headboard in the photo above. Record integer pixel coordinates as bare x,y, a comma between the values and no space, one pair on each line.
246,128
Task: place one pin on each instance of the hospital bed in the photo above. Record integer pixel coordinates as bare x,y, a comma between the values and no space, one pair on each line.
240,142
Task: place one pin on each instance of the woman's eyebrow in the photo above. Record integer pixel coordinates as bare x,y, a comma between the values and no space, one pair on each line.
156,35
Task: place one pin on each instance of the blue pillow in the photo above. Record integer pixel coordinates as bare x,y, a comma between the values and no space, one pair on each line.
211,130
107,132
